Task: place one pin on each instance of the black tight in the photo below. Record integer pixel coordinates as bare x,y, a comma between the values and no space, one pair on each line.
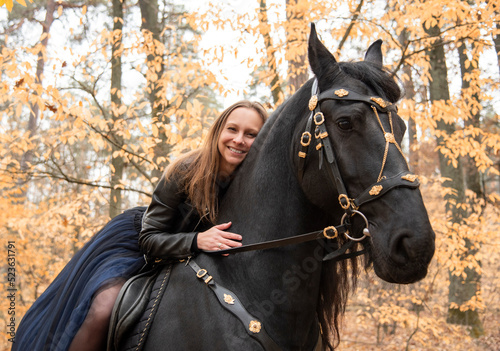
92,335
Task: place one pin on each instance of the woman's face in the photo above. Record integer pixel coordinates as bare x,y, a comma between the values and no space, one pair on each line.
236,138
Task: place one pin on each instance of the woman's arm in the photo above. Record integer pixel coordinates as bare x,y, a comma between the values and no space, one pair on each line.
168,213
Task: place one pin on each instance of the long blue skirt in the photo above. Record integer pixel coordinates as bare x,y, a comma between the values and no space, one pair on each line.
113,253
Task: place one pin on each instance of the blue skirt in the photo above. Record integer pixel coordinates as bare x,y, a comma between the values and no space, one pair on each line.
113,253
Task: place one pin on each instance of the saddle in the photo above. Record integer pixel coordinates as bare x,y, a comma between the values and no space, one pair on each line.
135,307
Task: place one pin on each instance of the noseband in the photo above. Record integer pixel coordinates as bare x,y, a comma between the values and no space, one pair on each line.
323,145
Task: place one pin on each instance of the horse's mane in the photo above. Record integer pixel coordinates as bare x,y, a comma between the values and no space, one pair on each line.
339,278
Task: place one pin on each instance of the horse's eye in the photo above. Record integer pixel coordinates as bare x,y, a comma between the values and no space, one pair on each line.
344,124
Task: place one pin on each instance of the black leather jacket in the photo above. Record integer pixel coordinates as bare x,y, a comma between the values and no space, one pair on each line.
169,224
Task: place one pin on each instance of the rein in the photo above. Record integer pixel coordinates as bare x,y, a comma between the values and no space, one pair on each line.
349,205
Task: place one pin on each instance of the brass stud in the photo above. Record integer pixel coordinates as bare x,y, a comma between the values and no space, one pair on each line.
410,177
254,326
341,92
375,190
313,102
228,299
389,137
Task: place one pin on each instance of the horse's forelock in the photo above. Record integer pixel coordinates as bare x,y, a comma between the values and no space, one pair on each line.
381,81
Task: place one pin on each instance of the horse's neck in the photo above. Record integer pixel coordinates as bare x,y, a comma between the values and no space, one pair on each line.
265,194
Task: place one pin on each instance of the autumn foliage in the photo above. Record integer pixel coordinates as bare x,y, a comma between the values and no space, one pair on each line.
65,129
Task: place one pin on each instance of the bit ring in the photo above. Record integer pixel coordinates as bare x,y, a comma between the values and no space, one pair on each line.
366,231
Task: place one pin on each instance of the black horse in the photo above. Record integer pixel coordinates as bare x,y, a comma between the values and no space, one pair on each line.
328,156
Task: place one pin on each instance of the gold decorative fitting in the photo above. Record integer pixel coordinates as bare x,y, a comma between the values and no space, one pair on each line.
313,102
347,203
332,228
389,137
323,135
254,326
201,273
302,154
379,101
375,190
341,92
410,177
319,146
228,299
320,120
208,279
307,136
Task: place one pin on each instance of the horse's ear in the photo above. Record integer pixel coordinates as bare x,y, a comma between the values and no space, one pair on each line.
320,59
374,54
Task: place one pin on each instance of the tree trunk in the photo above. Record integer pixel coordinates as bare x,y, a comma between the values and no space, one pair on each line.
117,164
410,95
34,108
496,38
296,42
151,30
265,30
460,290
471,285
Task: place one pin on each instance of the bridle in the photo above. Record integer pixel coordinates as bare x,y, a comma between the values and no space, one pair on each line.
350,205
323,145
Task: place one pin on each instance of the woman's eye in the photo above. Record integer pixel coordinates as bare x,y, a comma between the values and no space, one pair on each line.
344,124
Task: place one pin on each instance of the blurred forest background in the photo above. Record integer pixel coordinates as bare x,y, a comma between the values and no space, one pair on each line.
96,98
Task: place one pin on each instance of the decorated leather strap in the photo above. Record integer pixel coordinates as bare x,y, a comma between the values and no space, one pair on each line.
231,303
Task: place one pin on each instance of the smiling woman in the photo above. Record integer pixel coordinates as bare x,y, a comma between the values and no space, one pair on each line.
237,137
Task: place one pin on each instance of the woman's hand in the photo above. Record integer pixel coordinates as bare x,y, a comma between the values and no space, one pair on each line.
216,238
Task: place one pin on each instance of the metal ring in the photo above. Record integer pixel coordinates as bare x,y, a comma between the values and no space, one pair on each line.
335,232
366,231
305,135
344,206
320,121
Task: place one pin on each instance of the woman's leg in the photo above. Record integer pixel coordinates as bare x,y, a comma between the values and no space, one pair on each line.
92,335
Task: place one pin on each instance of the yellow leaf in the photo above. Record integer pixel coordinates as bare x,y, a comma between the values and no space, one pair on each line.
59,11
84,10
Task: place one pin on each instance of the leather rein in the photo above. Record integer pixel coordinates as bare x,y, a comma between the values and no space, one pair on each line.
349,205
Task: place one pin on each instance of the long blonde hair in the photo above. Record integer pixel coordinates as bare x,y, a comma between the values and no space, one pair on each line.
198,169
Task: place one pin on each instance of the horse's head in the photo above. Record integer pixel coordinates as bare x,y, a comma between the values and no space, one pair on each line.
354,135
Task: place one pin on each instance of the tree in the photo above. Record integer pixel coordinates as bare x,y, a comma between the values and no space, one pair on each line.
117,164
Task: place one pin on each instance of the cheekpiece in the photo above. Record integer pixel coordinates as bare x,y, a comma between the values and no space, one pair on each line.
341,92
313,102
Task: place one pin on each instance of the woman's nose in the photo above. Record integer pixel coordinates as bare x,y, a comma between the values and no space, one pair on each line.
239,139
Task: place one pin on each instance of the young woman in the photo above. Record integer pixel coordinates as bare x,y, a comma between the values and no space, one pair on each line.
74,312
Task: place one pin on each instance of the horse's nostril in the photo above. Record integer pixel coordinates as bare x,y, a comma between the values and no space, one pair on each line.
401,248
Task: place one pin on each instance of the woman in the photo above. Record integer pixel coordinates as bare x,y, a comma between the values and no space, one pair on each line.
74,312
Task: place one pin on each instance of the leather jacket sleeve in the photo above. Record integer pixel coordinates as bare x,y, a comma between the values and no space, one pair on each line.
166,223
